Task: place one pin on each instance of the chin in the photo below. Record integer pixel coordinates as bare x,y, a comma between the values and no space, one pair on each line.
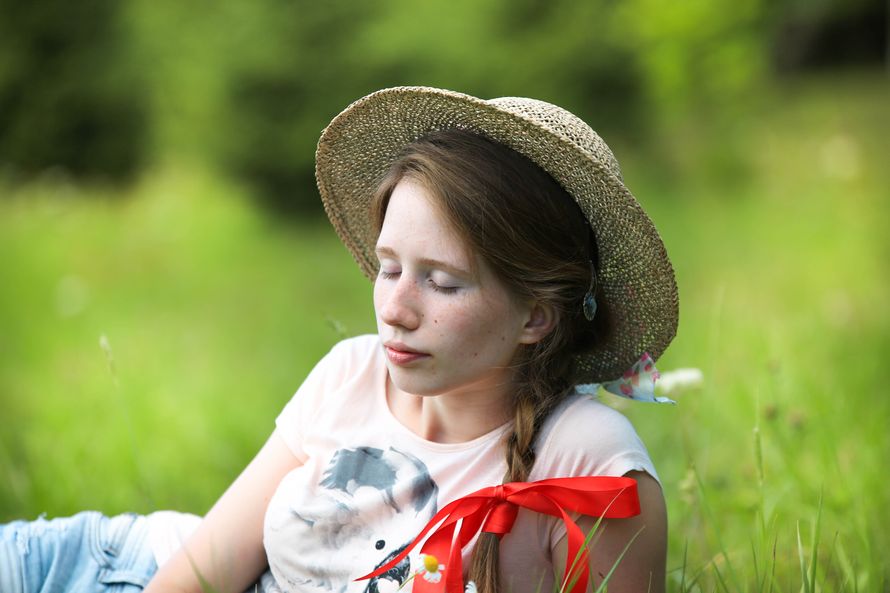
412,385
416,388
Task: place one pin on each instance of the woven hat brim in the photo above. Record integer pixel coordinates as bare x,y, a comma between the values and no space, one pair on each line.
635,276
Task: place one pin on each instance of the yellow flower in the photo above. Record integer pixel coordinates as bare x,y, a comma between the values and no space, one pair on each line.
432,570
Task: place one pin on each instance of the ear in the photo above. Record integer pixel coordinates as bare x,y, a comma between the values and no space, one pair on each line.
541,321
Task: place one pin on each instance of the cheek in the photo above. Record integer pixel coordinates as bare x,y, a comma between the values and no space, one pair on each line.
478,327
379,295
452,320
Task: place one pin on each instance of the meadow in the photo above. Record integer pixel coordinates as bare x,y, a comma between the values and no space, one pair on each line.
148,340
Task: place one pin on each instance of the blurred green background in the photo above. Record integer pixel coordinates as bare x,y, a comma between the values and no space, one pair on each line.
167,276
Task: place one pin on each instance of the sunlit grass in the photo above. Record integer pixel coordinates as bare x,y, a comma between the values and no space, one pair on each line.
212,313
783,279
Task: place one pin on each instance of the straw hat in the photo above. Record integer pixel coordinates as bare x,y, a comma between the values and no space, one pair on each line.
635,278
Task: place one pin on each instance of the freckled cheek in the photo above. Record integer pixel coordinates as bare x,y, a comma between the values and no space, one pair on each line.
378,296
456,321
472,333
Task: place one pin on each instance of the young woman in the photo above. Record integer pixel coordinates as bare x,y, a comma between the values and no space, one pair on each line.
512,269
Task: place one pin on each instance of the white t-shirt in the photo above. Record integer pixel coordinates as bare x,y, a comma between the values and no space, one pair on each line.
368,484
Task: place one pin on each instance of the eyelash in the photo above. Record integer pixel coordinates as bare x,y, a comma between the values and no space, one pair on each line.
443,289
433,285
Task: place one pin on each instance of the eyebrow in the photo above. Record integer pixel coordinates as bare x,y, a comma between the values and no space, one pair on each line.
432,263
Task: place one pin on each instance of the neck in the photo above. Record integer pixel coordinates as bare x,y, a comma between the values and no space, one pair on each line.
451,417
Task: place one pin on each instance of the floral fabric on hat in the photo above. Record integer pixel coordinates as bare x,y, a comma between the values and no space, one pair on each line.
637,383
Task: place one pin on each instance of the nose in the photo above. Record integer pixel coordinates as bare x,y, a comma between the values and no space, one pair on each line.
397,303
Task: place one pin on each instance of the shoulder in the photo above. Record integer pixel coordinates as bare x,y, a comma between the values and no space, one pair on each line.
584,436
363,342
636,547
351,360
350,368
357,345
582,421
353,354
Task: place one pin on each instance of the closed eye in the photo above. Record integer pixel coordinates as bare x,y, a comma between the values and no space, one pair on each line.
443,289
436,287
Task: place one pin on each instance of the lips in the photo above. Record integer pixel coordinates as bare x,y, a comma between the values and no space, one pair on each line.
401,354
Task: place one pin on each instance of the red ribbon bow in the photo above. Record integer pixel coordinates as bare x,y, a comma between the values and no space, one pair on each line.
494,509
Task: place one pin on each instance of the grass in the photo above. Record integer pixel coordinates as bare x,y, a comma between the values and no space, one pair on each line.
213,313
148,340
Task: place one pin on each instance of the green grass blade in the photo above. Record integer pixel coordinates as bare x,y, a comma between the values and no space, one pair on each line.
805,584
586,546
684,566
602,587
720,576
206,586
712,519
814,556
832,560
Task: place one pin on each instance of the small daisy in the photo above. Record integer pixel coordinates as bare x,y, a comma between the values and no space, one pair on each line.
679,381
471,587
432,570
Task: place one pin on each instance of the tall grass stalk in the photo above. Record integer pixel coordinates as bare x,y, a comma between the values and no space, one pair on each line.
580,557
808,571
124,409
782,271
764,575
737,586
684,565
604,585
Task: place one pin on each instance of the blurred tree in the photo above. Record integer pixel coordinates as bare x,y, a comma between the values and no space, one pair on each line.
810,35
629,68
67,98
281,95
694,53
105,87
318,58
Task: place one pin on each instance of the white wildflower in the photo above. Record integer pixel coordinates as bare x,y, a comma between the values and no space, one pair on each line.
679,380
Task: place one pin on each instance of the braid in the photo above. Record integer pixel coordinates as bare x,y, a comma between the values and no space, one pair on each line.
533,405
520,453
485,568
521,222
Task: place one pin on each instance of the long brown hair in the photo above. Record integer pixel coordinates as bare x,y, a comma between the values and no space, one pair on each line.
533,235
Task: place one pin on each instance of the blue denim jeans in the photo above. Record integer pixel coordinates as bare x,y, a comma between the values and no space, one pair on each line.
86,553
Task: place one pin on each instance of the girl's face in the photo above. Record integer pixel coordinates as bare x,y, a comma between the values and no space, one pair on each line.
448,325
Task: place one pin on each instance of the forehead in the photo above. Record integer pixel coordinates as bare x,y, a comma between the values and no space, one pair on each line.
414,221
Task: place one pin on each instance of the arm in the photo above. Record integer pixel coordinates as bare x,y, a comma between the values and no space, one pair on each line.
227,548
643,566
